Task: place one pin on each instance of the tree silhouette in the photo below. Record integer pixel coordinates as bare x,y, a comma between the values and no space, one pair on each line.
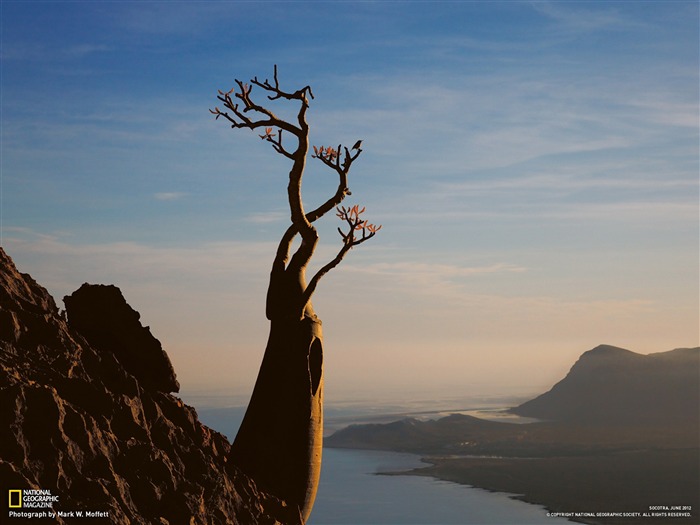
280,439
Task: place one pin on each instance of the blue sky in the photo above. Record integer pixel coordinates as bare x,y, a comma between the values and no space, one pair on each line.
534,164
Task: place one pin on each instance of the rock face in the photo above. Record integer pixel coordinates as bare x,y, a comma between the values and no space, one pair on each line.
81,417
613,385
101,315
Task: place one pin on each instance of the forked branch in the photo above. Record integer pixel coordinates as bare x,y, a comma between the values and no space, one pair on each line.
351,216
241,111
300,94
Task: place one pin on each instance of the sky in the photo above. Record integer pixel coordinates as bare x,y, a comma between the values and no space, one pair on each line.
534,166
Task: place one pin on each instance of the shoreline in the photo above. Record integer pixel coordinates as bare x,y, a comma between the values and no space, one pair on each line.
584,489
419,500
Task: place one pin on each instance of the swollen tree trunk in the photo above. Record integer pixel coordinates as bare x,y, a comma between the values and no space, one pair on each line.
281,437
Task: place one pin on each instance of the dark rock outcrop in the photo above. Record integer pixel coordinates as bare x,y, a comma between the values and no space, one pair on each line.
613,385
81,419
102,316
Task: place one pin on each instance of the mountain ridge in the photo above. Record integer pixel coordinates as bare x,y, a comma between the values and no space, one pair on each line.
611,398
609,384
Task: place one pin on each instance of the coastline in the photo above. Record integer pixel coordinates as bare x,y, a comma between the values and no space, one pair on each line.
631,487
354,476
614,473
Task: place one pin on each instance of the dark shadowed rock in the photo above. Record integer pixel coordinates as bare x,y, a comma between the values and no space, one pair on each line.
76,421
101,315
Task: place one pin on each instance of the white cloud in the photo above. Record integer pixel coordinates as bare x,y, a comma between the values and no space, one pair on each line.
82,50
415,126
431,274
576,20
267,217
169,195
18,50
668,112
181,19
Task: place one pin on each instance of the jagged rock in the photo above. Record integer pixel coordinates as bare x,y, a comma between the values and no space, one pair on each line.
76,421
101,315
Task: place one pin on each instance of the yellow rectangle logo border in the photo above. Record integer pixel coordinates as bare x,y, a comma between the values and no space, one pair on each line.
9,499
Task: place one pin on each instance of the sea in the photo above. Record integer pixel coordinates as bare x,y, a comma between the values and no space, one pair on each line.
355,490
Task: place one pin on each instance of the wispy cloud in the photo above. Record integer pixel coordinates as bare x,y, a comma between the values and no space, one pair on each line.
576,19
464,122
267,217
668,112
518,209
18,50
418,271
562,183
426,279
63,264
82,50
153,18
22,50
169,195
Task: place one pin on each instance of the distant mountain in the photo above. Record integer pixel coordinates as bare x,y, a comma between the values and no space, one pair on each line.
614,385
456,433
611,399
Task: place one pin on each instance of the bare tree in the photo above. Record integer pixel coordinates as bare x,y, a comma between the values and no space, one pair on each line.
280,439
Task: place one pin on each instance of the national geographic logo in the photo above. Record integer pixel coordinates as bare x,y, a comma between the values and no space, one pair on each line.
38,504
31,499
15,499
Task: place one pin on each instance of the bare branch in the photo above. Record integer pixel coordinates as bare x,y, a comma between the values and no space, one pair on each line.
278,93
244,94
313,283
352,218
302,94
241,110
277,144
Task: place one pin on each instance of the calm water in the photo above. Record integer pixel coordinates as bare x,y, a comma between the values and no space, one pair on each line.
351,492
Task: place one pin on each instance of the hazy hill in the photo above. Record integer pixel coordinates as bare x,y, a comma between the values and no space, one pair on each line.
454,433
87,413
612,398
613,385
621,431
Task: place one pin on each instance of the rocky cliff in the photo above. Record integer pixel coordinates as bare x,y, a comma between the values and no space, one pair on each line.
613,385
88,416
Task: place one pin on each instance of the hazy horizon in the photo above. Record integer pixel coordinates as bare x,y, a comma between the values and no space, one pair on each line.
534,166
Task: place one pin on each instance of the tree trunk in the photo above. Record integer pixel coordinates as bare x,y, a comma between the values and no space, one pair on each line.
280,439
